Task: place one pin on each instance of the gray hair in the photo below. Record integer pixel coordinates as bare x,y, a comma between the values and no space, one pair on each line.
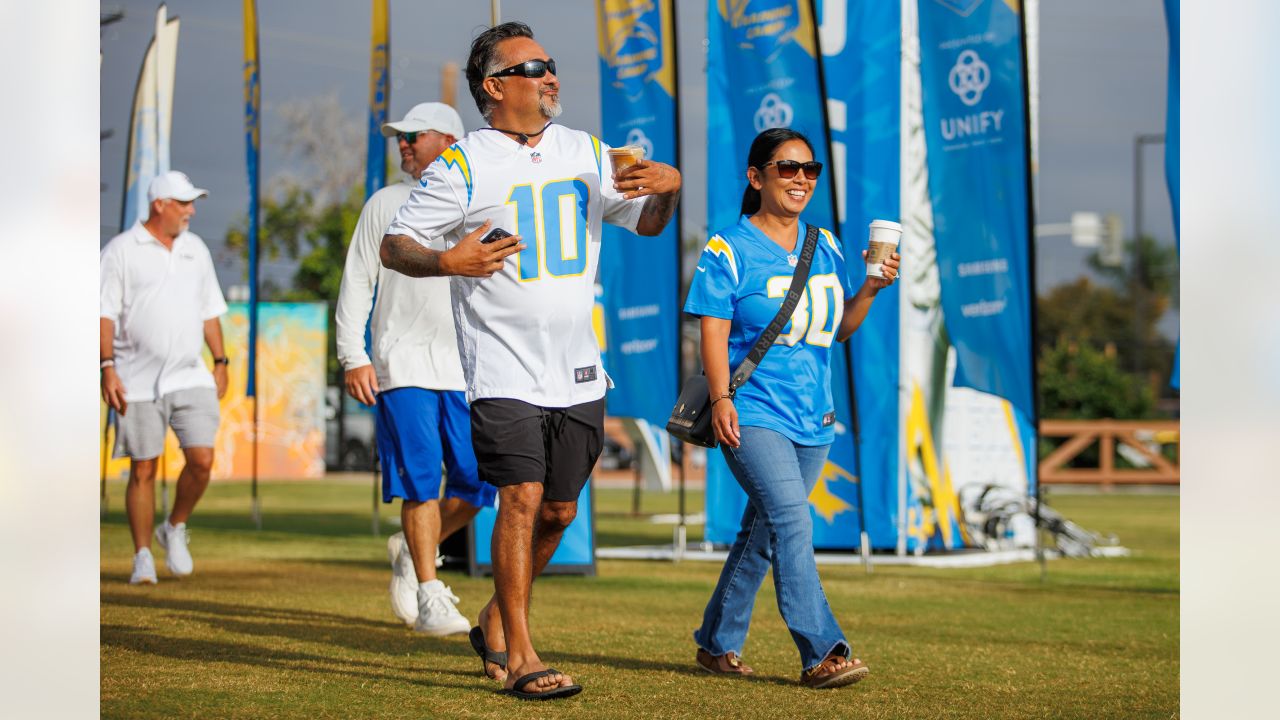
485,61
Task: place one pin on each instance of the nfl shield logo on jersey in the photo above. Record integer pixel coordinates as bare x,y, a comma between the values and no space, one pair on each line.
535,157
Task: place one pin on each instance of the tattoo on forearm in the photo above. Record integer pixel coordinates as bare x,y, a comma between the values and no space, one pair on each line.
657,211
402,254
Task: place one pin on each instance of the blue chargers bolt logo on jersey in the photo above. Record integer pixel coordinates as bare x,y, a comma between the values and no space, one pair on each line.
584,374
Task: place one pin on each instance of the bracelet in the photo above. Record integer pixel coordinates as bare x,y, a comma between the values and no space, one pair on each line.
106,363
221,361
726,396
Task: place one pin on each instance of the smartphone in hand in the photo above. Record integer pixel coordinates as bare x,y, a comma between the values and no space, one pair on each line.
495,235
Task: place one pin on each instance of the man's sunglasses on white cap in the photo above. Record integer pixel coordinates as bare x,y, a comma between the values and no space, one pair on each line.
423,117
174,185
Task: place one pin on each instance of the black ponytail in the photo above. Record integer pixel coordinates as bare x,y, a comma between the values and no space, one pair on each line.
762,149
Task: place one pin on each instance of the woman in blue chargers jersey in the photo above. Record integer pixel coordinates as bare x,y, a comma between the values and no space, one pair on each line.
776,430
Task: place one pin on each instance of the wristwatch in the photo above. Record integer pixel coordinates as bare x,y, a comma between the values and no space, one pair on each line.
222,361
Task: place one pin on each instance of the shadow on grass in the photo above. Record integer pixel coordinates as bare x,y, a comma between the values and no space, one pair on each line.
354,633
205,651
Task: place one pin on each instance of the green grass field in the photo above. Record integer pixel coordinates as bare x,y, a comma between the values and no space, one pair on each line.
293,622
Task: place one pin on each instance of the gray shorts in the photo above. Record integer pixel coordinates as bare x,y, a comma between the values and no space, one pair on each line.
193,414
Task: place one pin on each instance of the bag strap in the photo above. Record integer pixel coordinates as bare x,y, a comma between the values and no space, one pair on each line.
798,281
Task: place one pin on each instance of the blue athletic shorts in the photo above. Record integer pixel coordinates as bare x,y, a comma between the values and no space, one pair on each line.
420,429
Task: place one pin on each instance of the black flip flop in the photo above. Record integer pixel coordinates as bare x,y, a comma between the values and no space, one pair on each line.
560,692
486,653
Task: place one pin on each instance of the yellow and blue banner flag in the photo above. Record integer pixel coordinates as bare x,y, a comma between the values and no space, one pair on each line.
252,127
375,175
640,276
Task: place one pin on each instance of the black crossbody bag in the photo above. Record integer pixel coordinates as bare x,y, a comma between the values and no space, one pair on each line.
691,417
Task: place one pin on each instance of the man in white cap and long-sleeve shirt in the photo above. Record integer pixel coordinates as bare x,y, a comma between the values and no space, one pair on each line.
415,379
159,299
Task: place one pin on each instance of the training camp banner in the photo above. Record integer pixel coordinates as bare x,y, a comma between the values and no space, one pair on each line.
640,275
762,72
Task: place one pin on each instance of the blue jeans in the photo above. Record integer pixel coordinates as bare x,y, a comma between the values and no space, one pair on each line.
777,530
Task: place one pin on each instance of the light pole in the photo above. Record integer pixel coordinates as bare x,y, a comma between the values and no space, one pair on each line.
1138,142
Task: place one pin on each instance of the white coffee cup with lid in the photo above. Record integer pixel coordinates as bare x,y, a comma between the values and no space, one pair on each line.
881,245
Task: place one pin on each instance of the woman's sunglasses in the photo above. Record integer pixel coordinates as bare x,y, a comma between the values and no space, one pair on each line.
787,169
529,69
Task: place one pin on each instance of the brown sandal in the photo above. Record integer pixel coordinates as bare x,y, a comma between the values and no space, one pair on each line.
829,673
726,664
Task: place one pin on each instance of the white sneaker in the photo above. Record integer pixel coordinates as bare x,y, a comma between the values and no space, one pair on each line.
173,538
144,568
438,612
404,581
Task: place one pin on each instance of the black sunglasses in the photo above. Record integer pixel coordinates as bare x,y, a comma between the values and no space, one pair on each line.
787,169
411,137
529,69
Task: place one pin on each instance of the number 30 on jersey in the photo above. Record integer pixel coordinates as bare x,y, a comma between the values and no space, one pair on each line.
817,314
552,221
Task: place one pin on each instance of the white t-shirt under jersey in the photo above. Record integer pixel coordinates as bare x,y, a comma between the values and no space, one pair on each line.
526,332
414,344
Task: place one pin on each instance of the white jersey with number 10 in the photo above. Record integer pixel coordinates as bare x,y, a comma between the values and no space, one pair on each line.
526,332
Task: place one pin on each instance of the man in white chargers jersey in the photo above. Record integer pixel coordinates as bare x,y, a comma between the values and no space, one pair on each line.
415,380
522,306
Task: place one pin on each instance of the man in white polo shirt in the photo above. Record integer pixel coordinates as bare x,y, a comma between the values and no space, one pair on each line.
159,299
415,379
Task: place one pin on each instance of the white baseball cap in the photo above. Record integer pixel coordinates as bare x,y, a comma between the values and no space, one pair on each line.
427,116
174,185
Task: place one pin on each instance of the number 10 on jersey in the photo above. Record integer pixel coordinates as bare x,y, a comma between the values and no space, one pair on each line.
553,224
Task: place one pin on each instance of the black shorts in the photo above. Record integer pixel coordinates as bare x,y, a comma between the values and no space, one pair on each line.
516,442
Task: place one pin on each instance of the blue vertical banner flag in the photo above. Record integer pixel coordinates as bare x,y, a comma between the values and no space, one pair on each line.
375,175
975,131
252,97
763,72
640,275
861,44
151,119
1172,142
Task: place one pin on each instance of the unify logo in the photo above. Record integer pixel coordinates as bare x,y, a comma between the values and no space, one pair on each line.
969,77
636,136
773,113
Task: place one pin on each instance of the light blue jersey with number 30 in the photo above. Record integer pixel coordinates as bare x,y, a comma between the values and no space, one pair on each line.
526,333
743,276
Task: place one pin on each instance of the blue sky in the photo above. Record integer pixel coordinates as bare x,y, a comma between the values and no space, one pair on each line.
1102,81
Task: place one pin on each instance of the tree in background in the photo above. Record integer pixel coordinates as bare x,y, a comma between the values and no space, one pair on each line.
1100,354
310,210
